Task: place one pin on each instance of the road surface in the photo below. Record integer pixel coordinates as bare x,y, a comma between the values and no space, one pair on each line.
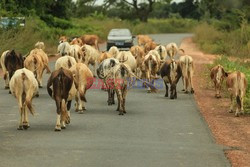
155,132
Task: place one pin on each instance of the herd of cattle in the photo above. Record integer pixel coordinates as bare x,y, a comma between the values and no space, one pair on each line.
72,76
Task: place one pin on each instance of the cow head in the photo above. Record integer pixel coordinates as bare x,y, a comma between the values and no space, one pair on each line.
13,62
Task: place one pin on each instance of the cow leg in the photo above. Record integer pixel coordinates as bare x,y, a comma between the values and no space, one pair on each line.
124,94
232,103
191,83
119,97
47,69
186,84
183,83
58,110
58,124
241,109
94,67
20,127
110,96
25,120
80,105
166,85
113,96
6,79
68,111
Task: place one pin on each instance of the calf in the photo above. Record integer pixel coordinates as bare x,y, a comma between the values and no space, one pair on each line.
217,75
237,85
12,62
83,79
161,51
24,87
171,73
58,87
187,67
44,58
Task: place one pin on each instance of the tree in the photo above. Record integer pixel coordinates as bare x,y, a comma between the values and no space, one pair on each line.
141,8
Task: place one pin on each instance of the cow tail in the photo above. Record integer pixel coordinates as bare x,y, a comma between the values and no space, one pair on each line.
26,96
239,87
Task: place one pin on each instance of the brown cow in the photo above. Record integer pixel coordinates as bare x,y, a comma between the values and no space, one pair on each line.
149,46
139,55
171,73
237,85
90,40
217,75
143,39
58,87
83,79
12,62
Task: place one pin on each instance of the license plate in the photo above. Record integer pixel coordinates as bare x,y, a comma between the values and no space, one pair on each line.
119,43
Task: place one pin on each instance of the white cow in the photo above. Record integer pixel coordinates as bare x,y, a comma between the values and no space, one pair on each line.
24,86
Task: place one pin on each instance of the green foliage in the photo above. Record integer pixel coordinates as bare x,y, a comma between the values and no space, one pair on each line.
231,66
214,39
56,22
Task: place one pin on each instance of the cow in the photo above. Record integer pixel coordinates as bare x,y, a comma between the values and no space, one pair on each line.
149,46
104,69
139,55
76,41
44,57
114,51
35,62
24,86
91,40
76,52
65,62
104,55
217,75
59,85
171,73
5,72
172,50
91,56
64,49
151,66
12,62
83,79
237,84
143,39
161,51
40,45
63,39
187,67
127,58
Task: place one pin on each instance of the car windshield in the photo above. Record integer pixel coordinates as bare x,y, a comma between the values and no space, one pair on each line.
120,32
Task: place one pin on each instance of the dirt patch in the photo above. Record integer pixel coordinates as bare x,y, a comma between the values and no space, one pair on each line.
228,130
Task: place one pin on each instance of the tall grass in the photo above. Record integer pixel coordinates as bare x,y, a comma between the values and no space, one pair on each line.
234,43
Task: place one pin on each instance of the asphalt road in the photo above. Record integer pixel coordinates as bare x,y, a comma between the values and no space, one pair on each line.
155,132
